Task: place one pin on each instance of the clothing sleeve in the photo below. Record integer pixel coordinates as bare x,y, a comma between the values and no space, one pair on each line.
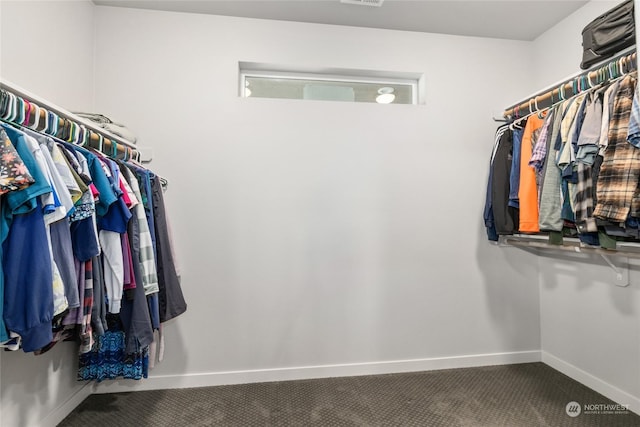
633,135
113,268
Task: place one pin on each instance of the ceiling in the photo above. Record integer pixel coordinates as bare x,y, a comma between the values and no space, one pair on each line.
515,19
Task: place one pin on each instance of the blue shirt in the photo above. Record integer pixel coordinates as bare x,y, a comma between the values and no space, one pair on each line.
24,247
514,178
118,215
100,181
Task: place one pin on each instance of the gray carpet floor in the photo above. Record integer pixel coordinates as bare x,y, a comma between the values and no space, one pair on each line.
522,395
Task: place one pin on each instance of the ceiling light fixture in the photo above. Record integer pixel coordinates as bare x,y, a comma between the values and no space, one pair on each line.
385,95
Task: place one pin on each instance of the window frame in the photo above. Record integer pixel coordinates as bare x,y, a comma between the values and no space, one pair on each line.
353,76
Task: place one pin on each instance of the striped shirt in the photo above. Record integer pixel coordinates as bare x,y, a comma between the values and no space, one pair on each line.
147,255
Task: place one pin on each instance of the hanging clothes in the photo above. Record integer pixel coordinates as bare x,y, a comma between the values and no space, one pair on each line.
84,207
588,163
172,303
85,254
583,159
528,190
489,220
550,208
28,298
618,179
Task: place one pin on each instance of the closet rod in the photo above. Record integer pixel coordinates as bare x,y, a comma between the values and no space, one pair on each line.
614,68
123,147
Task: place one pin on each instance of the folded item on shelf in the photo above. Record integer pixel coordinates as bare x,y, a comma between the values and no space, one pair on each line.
109,125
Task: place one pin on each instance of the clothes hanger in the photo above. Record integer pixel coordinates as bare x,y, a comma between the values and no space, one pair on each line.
516,123
83,136
9,107
59,128
76,140
54,122
21,111
3,101
36,117
27,115
80,135
76,133
49,127
535,105
68,133
87,137
14,109
513,125
114,149
45,121
100,142
68,129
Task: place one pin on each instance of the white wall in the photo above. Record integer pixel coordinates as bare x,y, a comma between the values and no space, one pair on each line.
47,48
54,61
590,328
319,233
558,51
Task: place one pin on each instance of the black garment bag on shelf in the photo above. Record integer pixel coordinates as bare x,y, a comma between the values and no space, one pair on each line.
608,34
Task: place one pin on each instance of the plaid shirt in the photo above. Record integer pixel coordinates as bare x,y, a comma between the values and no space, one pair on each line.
540,149
584,205
618,179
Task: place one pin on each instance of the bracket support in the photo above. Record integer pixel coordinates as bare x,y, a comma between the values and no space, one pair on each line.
621,272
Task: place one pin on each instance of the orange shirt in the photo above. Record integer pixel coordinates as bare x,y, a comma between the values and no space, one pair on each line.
528,190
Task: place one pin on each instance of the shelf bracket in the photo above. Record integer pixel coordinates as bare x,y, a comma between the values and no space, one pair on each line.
621,273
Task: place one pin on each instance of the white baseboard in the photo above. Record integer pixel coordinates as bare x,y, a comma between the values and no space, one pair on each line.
57,415
308,372
593,382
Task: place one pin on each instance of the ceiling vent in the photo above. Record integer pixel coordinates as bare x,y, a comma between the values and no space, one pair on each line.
376,3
